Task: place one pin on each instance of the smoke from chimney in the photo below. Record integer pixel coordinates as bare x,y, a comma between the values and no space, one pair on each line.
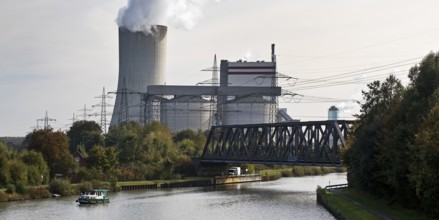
140,15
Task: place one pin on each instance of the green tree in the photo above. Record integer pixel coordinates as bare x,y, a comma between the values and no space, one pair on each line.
401,127
102,158
5,156
18,171
86,134
361,155
424,169
38,170
53,145
65,165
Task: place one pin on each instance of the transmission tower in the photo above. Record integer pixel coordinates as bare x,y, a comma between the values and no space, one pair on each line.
84,112
103,104
123,104
46,121
213,100
123,109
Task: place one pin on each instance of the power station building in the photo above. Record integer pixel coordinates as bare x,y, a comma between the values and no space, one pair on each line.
245,94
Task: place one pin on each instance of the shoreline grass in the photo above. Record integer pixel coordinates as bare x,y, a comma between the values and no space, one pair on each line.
351,204
298,171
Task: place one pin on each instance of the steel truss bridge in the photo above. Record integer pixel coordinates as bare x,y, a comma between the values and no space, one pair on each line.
314,143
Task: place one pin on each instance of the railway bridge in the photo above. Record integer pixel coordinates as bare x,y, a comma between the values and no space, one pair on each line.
312,143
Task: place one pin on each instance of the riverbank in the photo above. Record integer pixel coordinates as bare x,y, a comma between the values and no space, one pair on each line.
347,203
298,171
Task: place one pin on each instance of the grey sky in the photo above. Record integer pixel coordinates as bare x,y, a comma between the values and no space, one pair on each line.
57,55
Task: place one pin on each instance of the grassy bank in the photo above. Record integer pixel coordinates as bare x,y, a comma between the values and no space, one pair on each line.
351,204
159,182
297,171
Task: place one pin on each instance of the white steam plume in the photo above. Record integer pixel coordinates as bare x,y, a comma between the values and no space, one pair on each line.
140,15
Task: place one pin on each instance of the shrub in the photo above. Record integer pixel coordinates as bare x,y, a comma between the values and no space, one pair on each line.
85,186
21,187
60,186
4,197
39,192
96,184
287,172
316,171
298,171
10,188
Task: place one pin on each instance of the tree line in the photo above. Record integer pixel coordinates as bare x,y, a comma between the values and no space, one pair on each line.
394,147
128,152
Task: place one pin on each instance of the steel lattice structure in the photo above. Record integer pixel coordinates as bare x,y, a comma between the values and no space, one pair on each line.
294,143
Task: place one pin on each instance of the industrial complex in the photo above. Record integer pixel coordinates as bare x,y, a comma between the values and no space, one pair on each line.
239,92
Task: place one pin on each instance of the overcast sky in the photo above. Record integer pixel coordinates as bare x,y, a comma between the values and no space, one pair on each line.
58,55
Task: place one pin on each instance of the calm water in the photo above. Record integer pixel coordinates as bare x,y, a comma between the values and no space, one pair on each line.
287,198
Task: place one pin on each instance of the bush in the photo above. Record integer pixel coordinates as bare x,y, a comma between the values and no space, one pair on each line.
298,171
60,186
39,192
10,188
4,197
21,187
287,172
85,186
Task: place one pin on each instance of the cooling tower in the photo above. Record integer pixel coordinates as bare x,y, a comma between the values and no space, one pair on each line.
141,63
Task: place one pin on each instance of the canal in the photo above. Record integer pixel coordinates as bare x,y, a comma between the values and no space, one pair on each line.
286,198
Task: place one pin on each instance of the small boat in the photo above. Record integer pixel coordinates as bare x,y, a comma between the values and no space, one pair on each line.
94,197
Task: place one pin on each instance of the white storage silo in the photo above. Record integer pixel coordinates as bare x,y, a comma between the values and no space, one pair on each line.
141,63
186,112
333,113
247,110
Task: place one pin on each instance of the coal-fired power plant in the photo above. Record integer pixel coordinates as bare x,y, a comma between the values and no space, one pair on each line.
246,93
141,63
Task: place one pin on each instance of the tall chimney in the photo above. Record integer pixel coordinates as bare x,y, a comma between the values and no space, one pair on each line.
273,54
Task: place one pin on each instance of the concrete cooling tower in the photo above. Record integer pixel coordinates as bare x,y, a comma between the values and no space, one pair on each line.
141,63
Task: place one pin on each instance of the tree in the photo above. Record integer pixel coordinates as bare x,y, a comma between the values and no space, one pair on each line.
401,127
102,158
18,171
38,170
52,144
424,169
84,133
65,165
361,155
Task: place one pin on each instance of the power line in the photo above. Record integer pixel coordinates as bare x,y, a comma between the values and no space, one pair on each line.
365,47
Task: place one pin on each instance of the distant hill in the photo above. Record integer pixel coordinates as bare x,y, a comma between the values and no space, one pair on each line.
13,142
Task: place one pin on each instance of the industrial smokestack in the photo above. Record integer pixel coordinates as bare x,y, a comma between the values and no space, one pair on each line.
273,53
141,63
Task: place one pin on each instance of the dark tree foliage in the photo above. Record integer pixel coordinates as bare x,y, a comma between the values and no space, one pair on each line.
190,143
52,144
424,169
402,125
361,156
394,147
86,134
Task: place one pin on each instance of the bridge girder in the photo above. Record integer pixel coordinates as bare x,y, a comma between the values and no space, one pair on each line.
294,143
